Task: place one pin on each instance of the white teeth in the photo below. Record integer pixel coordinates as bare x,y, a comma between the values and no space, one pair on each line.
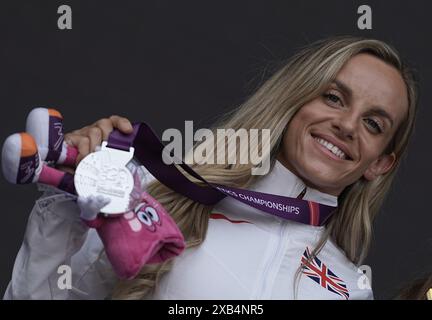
334,149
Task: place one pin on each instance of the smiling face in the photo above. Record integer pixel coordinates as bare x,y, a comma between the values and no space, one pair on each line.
340,136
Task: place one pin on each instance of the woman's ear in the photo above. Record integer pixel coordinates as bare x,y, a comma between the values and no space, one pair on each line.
380,166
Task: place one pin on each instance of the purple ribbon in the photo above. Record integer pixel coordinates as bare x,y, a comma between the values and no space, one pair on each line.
149,149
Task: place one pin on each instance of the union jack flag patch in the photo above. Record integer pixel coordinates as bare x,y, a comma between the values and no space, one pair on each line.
321,274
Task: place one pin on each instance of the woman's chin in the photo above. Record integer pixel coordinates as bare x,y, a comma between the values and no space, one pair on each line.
322,178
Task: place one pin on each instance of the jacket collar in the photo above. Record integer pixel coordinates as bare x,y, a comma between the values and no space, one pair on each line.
281,181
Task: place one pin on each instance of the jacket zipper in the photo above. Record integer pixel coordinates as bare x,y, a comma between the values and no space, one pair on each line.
274,255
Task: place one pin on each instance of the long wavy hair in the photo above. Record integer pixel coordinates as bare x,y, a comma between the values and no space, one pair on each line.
304,77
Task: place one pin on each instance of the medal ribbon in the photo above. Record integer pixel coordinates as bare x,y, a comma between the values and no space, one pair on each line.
149,150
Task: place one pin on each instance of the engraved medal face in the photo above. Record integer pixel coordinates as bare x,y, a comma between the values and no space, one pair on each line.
105,173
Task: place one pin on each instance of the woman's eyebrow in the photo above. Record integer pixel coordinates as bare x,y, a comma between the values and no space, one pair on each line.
343,87
381,112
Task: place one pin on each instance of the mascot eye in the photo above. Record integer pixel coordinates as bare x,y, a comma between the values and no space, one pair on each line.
144,218
138,207
152,213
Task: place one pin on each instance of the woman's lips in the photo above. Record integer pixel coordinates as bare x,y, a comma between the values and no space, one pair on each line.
331,149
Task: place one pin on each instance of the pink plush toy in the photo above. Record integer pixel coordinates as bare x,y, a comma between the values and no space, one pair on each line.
145,234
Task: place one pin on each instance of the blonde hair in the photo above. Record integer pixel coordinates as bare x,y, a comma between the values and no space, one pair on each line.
304,77
417,289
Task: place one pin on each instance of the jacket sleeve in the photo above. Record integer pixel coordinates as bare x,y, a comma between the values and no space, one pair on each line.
53,235
56,242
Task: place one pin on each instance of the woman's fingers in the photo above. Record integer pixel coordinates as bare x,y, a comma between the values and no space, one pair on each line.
81,142
83,132
88,138
122,124
95,137
106,126
114,122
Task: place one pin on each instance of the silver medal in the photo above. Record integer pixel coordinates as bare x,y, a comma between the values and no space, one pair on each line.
105,173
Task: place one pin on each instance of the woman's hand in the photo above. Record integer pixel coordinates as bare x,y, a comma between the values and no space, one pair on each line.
89,137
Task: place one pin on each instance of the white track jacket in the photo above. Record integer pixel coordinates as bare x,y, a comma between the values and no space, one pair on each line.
247,254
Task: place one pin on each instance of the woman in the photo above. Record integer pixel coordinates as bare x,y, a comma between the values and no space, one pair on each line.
340,114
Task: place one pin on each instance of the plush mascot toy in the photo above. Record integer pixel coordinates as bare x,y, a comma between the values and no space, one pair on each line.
144,234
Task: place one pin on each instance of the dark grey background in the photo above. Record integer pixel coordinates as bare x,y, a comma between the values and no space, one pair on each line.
170,61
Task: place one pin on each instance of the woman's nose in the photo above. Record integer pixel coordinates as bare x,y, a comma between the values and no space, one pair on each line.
346,124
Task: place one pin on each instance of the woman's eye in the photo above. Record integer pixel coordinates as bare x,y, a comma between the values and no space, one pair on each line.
332,98
152,213
142,216
374,125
